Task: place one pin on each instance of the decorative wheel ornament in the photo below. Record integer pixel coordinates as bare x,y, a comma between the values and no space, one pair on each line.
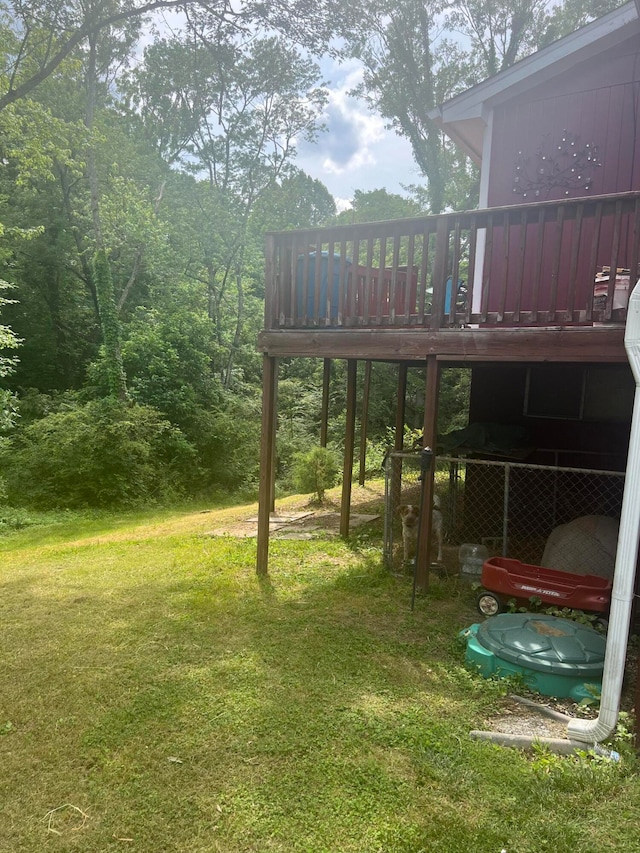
566,165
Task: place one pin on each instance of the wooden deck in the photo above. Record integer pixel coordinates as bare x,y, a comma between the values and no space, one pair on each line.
523,283
386,289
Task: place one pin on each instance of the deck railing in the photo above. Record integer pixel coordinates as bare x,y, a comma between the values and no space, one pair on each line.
523,265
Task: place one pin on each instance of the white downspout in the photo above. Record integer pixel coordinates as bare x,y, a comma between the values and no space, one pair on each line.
594,731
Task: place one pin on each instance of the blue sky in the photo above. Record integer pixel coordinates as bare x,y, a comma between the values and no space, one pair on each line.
356,152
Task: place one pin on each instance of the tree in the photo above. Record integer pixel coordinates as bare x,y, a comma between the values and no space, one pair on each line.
377,205
41,35
573,14
408,69
230,111
110,326
295,201
8,339
499,33
316,471
418,53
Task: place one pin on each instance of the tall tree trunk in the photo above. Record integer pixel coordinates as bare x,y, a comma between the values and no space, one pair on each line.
238,329
107,308
110,326
81,247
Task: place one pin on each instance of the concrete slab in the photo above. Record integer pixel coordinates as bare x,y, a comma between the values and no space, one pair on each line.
294,525
284,518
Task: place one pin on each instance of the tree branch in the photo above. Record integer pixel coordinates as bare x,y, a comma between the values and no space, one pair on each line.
87,29
138,258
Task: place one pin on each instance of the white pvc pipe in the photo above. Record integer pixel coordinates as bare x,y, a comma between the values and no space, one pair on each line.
559,745
594,731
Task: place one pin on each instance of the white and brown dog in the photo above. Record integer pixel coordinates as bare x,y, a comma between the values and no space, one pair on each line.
409,515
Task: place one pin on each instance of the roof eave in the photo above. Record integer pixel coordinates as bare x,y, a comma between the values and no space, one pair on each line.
537,68
467,135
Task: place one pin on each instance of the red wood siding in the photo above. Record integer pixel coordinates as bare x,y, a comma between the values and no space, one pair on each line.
597,103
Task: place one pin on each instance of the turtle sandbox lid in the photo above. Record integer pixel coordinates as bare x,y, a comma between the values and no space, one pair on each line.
556,657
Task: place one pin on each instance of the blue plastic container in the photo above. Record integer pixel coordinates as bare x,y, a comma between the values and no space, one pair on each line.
325,276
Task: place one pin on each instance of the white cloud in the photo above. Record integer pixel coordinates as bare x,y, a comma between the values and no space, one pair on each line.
352,129
342,204
356,151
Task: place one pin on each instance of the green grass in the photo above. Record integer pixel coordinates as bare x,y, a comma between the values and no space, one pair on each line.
156,696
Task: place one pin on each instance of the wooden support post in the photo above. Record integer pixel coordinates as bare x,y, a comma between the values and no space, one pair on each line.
267,457
401,406
349,442
274,456
423,557
398,438
363,422
324,416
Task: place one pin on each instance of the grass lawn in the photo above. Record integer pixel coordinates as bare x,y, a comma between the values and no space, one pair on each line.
157,697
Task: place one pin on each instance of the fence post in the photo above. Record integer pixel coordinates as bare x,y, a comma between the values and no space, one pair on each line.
505,513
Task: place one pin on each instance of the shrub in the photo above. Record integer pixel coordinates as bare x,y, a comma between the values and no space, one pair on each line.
316,471
228,445
103,454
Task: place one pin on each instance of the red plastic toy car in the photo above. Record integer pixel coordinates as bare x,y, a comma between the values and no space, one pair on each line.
504,579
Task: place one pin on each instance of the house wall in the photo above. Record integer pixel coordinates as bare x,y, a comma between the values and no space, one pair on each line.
596,104
597,434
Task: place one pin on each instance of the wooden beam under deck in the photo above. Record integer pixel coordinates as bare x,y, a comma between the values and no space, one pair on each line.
349,441
576,344
429,436
267,460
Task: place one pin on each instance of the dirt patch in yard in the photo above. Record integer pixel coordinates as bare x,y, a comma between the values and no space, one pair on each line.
517,719
300,525
297,519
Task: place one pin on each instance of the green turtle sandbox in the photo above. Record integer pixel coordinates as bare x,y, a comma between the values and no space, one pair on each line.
554,656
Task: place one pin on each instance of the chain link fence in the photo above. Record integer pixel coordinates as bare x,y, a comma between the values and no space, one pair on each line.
509,507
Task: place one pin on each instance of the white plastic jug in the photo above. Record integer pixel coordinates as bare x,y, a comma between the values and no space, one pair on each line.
471,558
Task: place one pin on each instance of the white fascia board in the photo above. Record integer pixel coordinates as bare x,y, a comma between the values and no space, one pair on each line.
540,66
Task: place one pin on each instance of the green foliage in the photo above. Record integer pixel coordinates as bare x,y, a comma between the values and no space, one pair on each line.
8,403
102,454
8,339
110,326
169,356
535,605
453,402
377,205
316,471
297,201
228,445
